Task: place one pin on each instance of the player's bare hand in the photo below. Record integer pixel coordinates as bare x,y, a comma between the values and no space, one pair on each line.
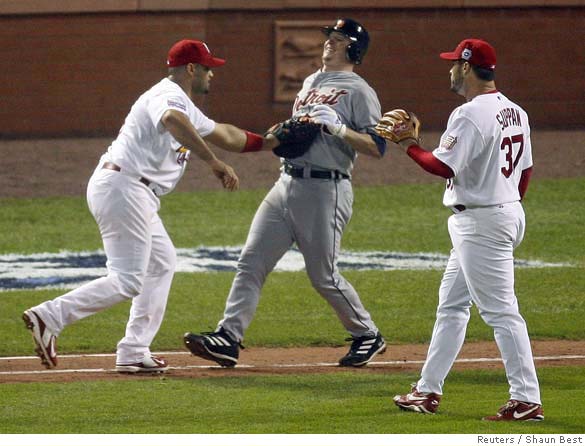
230,180
226,174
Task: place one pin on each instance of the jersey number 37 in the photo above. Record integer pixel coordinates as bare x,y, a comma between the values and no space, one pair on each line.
508,144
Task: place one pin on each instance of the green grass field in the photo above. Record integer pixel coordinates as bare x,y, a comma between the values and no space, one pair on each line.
337,403
394,218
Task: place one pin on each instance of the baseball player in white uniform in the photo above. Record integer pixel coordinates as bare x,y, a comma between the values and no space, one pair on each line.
311,204
486,156
146,161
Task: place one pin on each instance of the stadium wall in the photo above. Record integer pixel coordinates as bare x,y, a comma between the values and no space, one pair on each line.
75,70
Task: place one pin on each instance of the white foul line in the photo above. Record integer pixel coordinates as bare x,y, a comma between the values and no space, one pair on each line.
248,366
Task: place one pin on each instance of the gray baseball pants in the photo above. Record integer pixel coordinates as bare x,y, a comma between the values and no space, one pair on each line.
313,214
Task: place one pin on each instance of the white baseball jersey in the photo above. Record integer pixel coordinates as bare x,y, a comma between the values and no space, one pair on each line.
487,145
145,148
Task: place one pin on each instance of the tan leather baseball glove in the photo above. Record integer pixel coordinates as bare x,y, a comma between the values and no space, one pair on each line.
399,125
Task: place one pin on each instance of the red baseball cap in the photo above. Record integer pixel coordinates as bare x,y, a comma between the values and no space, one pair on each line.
192,51
475,51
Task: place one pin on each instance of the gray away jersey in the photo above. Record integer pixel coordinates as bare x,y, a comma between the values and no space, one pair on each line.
355,102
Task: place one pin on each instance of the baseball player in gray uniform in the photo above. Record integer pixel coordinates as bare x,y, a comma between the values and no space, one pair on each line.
311,204
146,161
486,156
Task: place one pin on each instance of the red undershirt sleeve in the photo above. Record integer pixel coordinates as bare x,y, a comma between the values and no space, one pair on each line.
429,162
524,180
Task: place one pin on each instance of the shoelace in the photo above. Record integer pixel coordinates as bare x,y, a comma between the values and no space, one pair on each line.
356,342
508,406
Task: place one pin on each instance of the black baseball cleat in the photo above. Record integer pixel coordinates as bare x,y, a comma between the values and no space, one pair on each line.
214,346
363,350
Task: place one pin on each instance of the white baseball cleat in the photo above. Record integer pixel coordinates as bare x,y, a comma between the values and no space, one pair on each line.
151,364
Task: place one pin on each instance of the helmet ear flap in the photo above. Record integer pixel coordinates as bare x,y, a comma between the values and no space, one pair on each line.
354,53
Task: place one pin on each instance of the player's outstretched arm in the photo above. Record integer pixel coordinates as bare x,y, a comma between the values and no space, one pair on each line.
363,143
331,122
233,139
183,131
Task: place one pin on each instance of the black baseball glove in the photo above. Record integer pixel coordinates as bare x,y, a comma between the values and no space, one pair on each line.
295,135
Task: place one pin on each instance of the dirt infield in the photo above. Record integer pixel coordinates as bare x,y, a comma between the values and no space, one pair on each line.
279,361
62,167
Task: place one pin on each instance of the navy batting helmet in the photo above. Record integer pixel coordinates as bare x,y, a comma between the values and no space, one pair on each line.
360,39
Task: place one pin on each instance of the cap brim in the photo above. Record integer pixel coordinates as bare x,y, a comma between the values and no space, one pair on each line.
213,62
450,56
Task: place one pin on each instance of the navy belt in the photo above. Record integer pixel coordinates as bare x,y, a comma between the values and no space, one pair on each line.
112,166
459,207
299,172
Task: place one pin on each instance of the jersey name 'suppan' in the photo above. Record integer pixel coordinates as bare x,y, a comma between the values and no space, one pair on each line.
508,116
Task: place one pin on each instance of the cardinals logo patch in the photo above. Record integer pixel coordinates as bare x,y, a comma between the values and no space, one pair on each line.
448,142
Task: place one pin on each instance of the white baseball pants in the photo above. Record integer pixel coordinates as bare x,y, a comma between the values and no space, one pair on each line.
313,213
141,263
480,270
